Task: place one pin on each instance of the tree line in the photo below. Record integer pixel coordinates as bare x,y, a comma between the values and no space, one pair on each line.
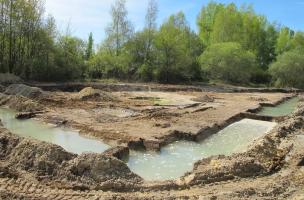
233,45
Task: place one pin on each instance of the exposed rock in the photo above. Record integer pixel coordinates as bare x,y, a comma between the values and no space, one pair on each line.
25,91
90,93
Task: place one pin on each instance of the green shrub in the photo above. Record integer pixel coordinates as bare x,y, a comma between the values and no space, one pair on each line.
228,62
288,70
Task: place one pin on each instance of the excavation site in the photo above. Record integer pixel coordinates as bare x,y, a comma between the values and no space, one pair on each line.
136,141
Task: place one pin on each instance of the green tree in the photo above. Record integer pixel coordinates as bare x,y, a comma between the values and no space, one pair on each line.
297,41
112,59
288,70
69,58
120,29
206,20
141,46
89,49
284,40
228,25
177,49
228,62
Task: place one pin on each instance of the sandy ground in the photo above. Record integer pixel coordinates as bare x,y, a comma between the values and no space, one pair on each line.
152,115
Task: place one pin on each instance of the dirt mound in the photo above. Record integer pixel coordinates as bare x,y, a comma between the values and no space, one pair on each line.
90,93
107,172
9,78
26,158
20,103
39,158
26,91
204,99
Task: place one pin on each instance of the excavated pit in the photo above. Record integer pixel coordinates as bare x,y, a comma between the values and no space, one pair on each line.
215,168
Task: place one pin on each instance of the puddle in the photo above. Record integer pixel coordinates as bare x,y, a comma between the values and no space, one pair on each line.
178,158
68,139
282,109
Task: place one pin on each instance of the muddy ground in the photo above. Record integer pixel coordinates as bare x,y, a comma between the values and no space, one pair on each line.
270,169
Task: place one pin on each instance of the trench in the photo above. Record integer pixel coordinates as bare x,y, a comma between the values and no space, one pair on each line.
173,160
283,109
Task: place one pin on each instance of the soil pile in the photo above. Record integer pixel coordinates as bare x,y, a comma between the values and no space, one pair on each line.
20,103
9,79
35,160
204,99
25,91
90,93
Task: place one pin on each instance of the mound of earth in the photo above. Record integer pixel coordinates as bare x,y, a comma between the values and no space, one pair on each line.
9,78
20,103
90,93
35,160
25,91
204,99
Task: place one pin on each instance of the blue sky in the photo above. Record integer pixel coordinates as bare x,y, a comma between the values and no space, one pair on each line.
85,16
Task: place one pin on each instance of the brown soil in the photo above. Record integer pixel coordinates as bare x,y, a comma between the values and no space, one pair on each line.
152,119
271,169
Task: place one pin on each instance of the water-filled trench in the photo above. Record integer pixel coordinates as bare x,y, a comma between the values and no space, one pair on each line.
172,161
282,109
70,140
177,158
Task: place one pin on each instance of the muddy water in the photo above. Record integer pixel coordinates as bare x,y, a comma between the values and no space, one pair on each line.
177,158
282,109
68,139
